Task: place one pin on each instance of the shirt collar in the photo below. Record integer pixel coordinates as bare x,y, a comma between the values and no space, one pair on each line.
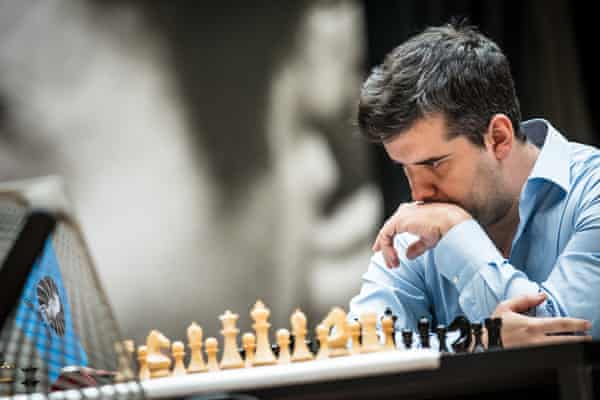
553,162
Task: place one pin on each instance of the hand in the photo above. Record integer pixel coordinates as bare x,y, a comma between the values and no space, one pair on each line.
520,330
428,221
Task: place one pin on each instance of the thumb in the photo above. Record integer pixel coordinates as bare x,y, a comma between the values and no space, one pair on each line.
523,303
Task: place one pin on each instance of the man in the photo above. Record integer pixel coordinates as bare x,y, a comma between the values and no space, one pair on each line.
506,216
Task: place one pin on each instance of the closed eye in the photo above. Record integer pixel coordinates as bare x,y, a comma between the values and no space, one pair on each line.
434,162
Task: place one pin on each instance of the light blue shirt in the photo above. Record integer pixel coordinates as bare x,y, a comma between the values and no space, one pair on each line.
556,250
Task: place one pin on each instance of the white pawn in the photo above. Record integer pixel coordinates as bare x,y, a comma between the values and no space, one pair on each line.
249,344
387,326
142,354
124,351
301,351
370,341
194,333
231,356
323,337
283,340
178,351
211,346
354,327
264,355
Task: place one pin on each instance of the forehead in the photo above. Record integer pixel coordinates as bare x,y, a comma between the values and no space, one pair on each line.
426,138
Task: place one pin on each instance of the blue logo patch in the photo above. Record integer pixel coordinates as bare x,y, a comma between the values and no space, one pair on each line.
44,316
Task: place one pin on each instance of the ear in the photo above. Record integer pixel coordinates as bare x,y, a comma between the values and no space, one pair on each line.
500,136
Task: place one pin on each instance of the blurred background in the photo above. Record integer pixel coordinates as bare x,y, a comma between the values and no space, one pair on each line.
209,147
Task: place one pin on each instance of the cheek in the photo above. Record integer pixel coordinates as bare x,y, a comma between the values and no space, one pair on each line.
459,183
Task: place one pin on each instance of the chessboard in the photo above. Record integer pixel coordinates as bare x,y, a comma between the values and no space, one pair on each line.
331,358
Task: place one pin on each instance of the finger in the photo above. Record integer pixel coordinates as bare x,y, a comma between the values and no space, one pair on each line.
385,237
555,339
566,324
525,302
390,257
376,246
416,249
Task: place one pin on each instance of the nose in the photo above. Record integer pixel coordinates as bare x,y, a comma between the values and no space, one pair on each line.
422,188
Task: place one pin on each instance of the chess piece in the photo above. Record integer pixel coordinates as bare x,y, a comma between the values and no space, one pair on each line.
370,341
498,328
407,338
249,343
493,327
211,347
30,380
389,313
124,351
264,355
231,357
300,351
423,329
337,342
477,329
323,337
178,351
158,364
7,373
441,334
387,326
354,327
142,355
283,340
196,364
463,343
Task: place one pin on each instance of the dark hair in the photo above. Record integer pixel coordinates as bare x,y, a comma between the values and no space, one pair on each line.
450,70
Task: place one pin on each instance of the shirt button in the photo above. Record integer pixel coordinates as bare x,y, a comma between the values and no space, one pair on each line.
455,280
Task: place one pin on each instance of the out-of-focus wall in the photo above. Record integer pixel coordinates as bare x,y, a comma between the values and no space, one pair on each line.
206,170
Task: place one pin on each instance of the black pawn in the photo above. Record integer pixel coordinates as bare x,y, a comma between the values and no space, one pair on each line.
423,328
441,334
30,379
275,349
292,341
407,338
477,329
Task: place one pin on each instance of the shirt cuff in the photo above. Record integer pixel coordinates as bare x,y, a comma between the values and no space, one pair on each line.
463,250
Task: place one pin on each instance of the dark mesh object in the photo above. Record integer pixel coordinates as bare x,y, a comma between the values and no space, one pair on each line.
12,216
62,333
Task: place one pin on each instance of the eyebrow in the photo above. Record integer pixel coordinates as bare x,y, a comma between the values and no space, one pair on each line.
427,161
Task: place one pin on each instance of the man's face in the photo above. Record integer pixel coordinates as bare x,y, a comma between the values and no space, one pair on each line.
450,171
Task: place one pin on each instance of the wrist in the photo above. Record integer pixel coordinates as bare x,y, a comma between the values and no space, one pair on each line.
453,218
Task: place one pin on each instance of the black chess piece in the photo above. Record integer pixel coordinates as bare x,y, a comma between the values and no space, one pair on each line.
313,345
423,329
477,333
275,349
292,341
492,337
463,342
30,379
498,328
407,338
242,352
441,334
